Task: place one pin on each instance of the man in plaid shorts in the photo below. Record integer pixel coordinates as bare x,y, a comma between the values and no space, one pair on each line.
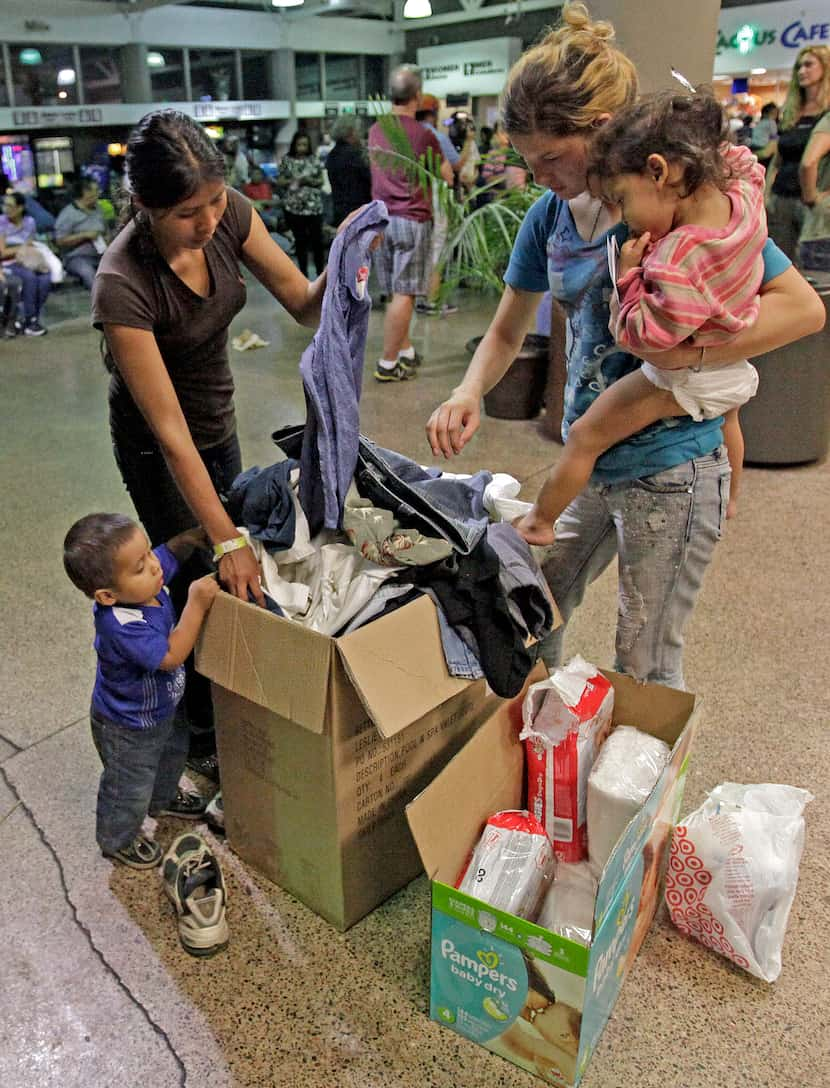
403,261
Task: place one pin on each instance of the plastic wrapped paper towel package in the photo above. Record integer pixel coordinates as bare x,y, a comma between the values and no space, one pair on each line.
623,776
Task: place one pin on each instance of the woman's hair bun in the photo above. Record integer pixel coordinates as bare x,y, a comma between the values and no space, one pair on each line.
576,19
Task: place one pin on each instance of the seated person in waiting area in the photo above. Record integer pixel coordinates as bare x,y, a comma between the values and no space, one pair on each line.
693,267
141,738
80,232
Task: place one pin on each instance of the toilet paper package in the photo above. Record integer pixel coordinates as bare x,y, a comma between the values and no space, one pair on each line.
622,778
733,871
568,908
566,718
512,864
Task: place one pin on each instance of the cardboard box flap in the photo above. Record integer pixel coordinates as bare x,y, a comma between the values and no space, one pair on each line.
274,662
397,666
655,709
487,776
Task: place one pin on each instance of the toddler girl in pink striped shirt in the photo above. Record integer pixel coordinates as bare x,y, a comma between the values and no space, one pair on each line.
689,272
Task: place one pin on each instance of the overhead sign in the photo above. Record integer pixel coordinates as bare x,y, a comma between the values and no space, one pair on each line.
477,68
769,35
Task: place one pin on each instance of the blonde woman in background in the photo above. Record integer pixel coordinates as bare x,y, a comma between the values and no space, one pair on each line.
657,499
814,175
808,98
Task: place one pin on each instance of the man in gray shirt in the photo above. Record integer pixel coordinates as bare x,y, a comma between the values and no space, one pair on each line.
79,232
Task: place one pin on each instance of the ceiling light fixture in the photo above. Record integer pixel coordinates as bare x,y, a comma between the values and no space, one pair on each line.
155,60
66,77
417,9
30,56
287,3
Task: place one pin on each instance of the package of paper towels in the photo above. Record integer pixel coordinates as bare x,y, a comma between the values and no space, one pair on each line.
568,908
624,774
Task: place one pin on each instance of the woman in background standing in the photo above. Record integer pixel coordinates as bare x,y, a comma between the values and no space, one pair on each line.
300,182
807,99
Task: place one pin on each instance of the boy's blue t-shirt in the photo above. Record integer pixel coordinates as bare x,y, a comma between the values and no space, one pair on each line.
549,254
131,641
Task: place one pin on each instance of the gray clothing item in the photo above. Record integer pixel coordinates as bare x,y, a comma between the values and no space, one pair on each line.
332,373
75,220
521,579
379,537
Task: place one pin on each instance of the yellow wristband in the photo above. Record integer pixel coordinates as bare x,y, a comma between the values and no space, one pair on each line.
228,546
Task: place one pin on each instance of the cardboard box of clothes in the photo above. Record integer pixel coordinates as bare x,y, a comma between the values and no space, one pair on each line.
530,995
322,741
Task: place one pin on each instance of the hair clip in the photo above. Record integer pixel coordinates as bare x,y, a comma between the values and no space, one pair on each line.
681,79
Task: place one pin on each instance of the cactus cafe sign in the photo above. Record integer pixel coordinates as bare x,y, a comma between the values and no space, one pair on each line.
769,35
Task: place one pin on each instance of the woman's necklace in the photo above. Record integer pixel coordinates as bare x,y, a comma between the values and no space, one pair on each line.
596,221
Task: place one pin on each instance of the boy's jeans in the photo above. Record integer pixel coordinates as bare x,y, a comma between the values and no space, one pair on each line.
664,529
141,771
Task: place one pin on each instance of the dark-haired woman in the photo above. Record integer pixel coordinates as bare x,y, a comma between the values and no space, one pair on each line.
166,291
658,498
300,183
16,230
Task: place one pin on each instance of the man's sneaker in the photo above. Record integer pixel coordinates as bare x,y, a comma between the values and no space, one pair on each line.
205,765
448,308
33,328
187,806
141,853
432,309
193,882
215,813
412,363
400,372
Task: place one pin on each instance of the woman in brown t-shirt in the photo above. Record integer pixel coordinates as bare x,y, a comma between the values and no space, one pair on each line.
166,291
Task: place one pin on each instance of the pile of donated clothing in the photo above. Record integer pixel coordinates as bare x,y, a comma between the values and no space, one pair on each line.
347,531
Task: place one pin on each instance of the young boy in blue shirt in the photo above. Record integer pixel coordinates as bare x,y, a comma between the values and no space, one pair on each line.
139,680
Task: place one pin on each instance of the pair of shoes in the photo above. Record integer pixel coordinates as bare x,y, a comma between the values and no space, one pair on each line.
141,853
402,371
33,327
205,765
193,883
187,806
215,813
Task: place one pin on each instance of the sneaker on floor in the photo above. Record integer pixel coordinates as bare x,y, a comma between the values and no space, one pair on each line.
400,372
413,363
205,765
141,853
193,883
33,328
428,309
185,805
215,813
448,308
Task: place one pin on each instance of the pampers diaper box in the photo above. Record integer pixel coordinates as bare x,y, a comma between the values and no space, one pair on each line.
530,995
322,742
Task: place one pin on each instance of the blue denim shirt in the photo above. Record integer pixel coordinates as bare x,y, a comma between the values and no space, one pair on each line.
332,372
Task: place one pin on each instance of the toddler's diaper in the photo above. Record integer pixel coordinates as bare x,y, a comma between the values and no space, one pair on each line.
709,393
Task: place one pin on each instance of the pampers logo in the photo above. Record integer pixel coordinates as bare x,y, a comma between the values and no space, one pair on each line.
482,971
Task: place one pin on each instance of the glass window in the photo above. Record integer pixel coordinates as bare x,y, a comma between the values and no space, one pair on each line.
166,73
375,77
342,77
213,75
101,75
43,75
255,75
307,75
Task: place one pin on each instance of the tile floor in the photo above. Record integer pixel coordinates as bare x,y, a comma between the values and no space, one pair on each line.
95,990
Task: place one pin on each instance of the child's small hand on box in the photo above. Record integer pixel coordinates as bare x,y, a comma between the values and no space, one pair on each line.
203,591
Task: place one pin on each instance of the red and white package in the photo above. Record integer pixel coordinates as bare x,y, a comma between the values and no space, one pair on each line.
512,864
566,719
